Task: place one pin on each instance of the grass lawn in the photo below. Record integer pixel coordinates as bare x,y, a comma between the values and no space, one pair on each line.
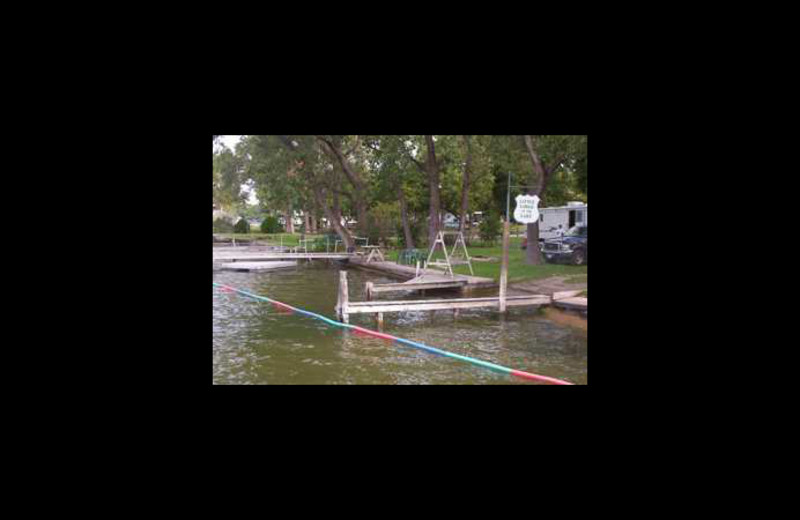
518,270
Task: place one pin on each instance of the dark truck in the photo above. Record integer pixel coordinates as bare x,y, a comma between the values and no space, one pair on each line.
570,248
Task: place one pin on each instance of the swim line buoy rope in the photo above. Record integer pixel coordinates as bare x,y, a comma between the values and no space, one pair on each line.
478,362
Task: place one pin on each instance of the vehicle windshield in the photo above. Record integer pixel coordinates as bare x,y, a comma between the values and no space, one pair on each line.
576,231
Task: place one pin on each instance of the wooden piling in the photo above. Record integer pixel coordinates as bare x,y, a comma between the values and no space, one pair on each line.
380,320
342,300
504,268
369,291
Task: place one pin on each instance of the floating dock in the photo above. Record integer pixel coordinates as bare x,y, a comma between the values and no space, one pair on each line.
255,266
254,256
573,304
570,300
344,307
410,274
413,285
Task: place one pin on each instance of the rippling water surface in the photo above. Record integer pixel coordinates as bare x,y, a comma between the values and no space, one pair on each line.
255,343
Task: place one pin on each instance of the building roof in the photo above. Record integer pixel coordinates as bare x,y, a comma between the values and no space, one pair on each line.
585,206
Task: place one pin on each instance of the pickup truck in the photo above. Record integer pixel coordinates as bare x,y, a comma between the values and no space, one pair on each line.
570,248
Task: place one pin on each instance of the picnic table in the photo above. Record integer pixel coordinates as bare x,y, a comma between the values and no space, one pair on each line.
374,251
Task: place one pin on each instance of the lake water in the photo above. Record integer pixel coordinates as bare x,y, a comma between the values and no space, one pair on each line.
255,343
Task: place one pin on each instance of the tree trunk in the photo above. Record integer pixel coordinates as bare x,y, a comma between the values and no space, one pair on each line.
404,216
336,212
532,254
334,216
541,176
462,225
289,220
306,222
433,182
359,188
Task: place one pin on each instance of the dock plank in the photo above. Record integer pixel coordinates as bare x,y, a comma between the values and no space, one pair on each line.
256,257
450,304
256,266
576,303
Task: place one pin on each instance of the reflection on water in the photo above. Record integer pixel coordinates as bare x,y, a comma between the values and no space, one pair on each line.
255,343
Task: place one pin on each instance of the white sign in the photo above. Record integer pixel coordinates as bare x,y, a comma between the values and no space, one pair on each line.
527,210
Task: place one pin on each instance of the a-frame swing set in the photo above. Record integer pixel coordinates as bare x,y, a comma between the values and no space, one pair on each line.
454,258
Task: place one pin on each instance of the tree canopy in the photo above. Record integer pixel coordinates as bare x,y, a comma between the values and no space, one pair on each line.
357,182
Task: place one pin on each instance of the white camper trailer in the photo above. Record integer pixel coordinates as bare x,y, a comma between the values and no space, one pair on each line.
554,221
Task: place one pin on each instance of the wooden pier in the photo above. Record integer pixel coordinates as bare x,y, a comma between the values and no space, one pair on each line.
344,307
413,285
256,266
231,256
570,300
411,275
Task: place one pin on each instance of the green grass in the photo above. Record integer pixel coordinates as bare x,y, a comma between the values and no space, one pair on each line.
518,270
577,279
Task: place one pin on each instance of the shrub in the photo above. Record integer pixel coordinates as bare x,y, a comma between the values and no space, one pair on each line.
223,225
490,228
271,225
242,227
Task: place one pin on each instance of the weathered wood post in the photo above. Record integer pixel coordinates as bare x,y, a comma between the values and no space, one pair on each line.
380,320
504,268
342,300
416,275
369,291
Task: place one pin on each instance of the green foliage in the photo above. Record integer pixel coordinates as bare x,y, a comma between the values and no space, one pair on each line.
242,227
416,233
271,225
490,228
297,173
381,222
223,225
227,178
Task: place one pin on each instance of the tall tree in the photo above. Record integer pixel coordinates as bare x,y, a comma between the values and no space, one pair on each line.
333,146
317,175
431,169
462,223
547,154
390,160
228,179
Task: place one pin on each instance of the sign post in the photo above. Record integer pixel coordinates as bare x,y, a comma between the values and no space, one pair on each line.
504,268
526,212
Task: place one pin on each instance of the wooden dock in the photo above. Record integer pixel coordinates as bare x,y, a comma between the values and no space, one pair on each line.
408,273
256,266
574,304
570,300
446,304
344,307
244,256
413,285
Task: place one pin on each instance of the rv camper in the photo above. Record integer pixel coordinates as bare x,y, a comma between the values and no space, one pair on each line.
555,221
